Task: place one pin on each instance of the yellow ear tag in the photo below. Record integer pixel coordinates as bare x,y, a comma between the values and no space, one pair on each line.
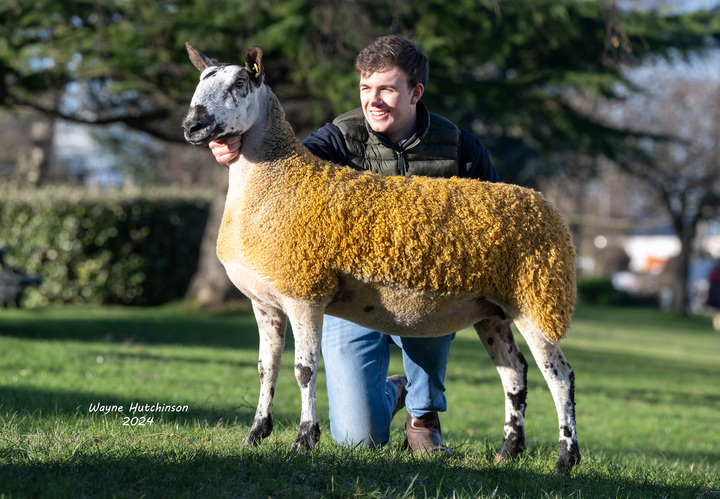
256,68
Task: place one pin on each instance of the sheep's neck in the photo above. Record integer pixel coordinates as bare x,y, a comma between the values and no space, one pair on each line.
266,147
271,137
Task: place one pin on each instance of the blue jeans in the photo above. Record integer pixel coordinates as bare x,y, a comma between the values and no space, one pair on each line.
360,397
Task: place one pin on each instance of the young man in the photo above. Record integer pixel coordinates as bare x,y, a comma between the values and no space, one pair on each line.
392,133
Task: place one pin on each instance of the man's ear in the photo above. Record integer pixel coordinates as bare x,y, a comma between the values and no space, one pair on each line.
416,92
253,63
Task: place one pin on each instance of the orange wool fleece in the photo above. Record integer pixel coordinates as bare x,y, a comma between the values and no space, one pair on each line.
303,223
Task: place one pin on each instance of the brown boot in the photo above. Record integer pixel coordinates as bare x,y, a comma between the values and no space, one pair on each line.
423,434
399,381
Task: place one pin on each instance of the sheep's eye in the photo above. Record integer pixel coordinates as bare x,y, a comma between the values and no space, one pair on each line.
240,83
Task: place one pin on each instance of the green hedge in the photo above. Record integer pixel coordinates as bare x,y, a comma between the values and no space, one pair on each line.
599,290
134,248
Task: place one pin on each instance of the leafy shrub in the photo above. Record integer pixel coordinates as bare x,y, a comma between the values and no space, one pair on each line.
104,247
599,290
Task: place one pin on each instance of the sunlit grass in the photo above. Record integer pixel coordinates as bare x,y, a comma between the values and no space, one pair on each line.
647,411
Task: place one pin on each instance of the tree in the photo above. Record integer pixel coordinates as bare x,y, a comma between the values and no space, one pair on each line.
503,65
500,68
683,169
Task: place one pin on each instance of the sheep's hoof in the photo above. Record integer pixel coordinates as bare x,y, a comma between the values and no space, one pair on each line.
569,457
512,447
261,428
307,437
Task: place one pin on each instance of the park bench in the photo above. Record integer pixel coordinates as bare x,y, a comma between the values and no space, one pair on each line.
13,283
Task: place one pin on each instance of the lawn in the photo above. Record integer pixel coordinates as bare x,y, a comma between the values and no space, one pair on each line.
648,405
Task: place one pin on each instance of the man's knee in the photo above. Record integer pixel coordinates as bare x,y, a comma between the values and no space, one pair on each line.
359,435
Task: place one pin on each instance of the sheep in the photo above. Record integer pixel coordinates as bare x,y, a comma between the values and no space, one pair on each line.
302,237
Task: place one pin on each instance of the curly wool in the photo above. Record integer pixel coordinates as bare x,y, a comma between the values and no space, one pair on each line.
304,223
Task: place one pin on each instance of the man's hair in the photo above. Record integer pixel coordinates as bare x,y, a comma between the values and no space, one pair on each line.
394,51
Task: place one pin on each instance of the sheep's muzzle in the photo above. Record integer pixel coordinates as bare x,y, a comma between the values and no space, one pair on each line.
201,127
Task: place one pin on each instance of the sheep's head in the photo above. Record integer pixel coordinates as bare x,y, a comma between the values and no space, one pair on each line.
226,101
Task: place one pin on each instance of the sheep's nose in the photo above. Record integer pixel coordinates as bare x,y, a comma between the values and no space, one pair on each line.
191,126
194,121
198,125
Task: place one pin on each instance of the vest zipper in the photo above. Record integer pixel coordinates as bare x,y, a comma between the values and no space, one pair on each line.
401,163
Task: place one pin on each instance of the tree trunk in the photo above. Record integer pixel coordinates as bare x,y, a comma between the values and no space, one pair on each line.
681,290
210,285
680,284
32,168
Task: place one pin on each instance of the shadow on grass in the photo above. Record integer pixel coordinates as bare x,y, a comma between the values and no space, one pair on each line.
129,325
53,403
272,471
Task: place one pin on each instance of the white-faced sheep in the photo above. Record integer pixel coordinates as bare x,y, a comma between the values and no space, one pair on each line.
302,237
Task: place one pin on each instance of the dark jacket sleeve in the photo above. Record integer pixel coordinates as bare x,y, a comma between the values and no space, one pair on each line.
328,144
475,159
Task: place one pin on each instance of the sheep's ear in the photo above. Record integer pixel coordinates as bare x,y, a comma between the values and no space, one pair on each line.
200,60
253,63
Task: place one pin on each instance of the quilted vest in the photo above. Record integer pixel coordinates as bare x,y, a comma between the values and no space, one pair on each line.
432,151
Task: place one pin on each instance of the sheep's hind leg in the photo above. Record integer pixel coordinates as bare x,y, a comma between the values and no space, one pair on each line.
271,327
561,380
306,321
499,342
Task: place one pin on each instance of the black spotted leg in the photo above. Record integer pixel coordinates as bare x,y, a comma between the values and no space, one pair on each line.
271,328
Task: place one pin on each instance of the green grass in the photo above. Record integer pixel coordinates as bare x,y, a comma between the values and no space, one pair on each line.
648,411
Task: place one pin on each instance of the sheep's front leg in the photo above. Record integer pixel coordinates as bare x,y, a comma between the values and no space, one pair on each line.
306,321
512,367
271,327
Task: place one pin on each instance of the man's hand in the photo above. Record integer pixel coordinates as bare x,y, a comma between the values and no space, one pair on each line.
225,150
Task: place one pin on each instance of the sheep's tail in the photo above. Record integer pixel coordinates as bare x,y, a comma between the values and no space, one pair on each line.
546,283
550,306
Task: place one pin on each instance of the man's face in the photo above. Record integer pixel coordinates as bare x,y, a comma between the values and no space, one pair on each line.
389,104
